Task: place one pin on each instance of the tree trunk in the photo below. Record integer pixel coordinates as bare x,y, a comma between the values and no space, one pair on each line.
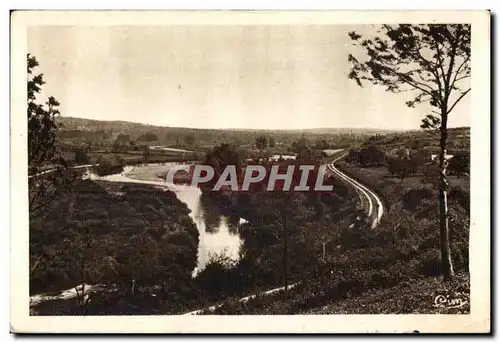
82,299
285,245
444,230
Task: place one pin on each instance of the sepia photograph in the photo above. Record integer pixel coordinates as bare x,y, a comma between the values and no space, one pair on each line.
250,171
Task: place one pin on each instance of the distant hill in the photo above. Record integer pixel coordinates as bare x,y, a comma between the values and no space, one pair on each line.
72,123
458,140
80,131
344,130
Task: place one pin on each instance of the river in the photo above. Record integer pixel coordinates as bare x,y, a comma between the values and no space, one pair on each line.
218,234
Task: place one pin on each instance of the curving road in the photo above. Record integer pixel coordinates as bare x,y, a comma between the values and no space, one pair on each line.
368,199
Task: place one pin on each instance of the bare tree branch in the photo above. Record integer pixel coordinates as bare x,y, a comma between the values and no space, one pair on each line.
457,72
456,102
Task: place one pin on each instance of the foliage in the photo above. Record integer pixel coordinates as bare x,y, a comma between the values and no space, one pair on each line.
367,156
41,121
190,140
410,297
272,142
43,153
433,62
108,165
81,157
220,157
430,60
148,137
399,252
261,142
461,196
102,134
459,163
217,277
91,235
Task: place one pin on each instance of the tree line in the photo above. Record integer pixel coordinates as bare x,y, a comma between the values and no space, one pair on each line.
408,162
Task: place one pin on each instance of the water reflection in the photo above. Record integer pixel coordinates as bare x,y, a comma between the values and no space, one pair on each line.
211,215
219,234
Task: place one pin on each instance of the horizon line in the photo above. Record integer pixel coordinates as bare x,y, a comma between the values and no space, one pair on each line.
256,129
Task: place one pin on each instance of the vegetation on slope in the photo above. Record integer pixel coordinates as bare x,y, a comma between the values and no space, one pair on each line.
94,236
402,250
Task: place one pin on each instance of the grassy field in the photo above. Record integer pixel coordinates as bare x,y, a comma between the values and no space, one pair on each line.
381,174
458,139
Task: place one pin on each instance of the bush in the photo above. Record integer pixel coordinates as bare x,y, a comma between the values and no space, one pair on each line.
383,278
430,263
81,157
413,198
109,165
461,196
367,156
217,275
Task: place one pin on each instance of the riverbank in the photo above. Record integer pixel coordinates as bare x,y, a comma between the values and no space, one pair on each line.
215,235
125,245
125,236
218,230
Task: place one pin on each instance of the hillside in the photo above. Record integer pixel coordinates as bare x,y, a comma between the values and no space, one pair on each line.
458,139
72,123
80,131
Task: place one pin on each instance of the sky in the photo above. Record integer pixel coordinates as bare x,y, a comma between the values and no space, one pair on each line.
254,77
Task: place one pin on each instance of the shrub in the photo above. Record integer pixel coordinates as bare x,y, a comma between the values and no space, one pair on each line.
81,157
413,198
461,196
108,165
430,263
216,277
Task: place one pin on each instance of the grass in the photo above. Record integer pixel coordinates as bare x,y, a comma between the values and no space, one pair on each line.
150,172
408,297
380,174
458,139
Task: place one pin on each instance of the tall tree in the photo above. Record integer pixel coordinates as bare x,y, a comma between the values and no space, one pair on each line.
433,62
81,157
272,142
459,164
148,137
189,140
146,154
46,168
261,142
